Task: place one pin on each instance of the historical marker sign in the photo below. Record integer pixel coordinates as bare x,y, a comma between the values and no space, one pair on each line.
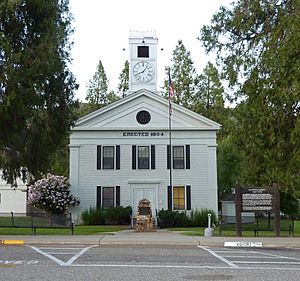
257,200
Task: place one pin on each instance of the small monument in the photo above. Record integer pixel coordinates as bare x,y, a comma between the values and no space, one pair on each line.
144,220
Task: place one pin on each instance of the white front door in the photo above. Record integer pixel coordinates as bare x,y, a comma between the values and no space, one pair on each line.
143,193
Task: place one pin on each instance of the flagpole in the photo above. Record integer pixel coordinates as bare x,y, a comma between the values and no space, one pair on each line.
171,92
170,142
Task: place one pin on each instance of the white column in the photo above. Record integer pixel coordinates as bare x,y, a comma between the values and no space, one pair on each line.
212,178
74,176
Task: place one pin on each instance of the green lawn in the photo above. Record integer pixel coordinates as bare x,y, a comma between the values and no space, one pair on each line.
199,231
79,230
100,229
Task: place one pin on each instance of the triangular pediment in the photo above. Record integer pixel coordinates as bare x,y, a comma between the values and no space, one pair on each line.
122,115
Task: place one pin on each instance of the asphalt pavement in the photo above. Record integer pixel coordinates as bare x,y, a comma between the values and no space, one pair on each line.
159,237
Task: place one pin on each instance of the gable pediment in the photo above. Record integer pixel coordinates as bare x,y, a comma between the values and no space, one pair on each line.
122,115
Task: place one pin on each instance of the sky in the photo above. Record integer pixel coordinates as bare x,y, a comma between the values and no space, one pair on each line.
102,29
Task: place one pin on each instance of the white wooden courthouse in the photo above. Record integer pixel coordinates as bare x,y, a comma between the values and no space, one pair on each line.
121,153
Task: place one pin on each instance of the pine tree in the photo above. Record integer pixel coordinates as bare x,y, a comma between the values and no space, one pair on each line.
36,85
209,100
123,86
257,46
98,88
183,76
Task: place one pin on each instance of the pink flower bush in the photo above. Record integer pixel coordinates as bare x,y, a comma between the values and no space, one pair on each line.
52,194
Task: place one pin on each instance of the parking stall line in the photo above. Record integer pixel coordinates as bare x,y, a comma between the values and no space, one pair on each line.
74,258
60,262
267,262
49,254
231,264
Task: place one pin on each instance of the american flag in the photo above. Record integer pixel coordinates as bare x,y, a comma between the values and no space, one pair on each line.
171,93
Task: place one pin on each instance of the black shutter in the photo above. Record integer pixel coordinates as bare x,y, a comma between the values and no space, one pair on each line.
188,197
98,157
170,197
98,203
187,157
117,195
168,157
117,157
152,157
133,157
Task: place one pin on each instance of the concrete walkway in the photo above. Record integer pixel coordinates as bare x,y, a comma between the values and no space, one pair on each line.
160,237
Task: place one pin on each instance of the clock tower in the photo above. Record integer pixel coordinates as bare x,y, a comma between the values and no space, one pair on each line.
142,61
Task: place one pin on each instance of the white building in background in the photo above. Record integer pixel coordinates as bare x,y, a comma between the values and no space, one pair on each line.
121,153
13,199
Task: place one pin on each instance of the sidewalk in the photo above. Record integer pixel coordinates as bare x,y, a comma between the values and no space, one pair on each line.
160,237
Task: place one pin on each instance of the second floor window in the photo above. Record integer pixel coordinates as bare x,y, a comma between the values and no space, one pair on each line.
143,157
178,157
108,157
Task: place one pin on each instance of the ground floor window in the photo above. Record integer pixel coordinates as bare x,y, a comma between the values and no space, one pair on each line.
108,196
179,198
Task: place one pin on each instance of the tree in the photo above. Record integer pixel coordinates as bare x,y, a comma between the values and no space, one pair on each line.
208,99
229,166
36,85
52,195
183,76
257,45
98,87
123,86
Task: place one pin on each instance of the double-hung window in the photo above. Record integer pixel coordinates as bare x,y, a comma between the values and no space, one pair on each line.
179,198
180,157
108,157
143,157
108,196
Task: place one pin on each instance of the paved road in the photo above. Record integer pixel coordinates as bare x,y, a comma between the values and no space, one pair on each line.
147,262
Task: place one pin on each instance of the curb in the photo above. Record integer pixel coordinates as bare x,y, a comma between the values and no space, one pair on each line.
12,242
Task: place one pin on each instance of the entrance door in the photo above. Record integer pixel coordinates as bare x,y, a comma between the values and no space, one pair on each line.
143,193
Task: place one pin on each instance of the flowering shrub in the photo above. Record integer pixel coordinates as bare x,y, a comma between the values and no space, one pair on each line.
52,194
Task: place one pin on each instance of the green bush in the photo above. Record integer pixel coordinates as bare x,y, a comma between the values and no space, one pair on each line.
199,217
118,215
182,219
168,218
196,218
93,216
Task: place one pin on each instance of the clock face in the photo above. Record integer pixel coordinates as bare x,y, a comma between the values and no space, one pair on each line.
143,117
143,71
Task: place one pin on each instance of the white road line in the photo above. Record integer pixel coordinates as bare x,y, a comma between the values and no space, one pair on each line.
62,253
250,257
50,248
230,251
267,262
74,258
48,255
186,266
277,256
219,257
